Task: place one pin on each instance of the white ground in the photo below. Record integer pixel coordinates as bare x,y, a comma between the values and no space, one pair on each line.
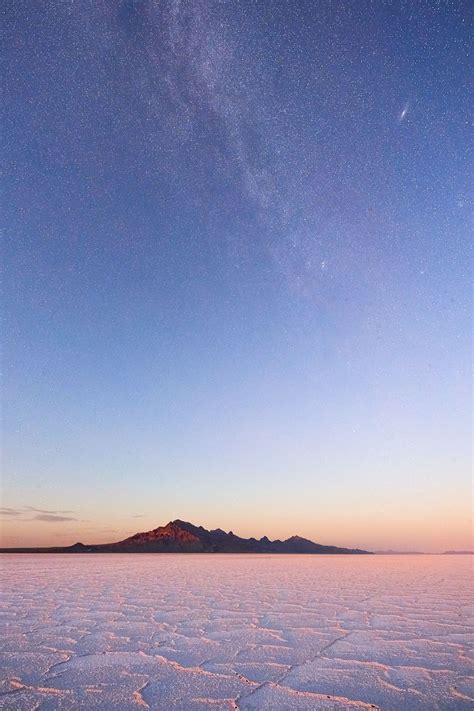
269,633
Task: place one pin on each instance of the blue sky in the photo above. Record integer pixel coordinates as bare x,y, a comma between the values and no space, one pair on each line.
237,285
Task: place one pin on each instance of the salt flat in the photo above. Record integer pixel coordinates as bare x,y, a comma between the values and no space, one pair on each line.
246,632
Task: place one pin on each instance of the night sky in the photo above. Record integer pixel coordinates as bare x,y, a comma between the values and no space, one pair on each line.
237,270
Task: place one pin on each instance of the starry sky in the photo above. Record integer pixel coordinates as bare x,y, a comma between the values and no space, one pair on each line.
237,283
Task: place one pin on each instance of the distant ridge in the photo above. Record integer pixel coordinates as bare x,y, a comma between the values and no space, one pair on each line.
182,537
391,552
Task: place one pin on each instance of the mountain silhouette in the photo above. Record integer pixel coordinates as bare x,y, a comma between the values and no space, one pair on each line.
183,537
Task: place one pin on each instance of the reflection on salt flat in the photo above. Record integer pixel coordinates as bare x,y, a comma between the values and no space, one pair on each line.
242,632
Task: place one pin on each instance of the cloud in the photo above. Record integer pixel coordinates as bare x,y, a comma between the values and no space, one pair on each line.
138,515
52,518
5,511
25,513
46,511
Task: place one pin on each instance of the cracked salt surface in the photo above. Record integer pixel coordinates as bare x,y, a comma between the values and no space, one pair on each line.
242,632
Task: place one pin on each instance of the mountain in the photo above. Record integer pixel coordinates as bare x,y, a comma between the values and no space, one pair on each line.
182,537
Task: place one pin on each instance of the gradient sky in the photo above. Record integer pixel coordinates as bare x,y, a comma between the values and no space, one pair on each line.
237,285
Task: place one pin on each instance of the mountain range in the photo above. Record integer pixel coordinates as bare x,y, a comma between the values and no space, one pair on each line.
182,537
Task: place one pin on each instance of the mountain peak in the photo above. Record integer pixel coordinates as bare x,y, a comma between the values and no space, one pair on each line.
296,539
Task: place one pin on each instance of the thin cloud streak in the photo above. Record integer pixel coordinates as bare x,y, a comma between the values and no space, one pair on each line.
5,511
47,511
52,518
47,515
